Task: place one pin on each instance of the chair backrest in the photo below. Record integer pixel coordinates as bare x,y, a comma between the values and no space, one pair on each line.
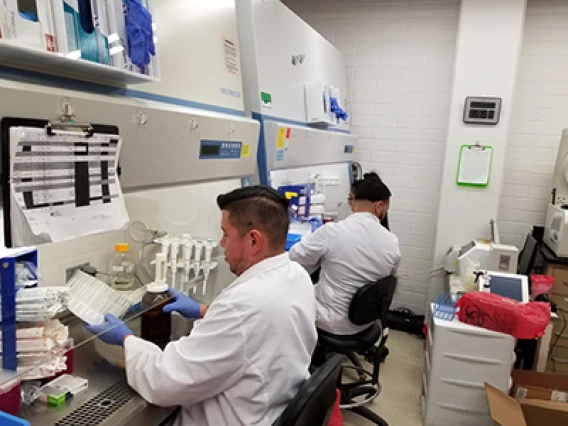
314,402
527,256
372,301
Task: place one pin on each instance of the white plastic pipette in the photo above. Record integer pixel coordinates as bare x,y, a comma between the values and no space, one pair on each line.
166,248
209,246
197,261
174,262
187,249
160,268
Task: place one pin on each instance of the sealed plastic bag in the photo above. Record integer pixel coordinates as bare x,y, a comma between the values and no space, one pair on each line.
504,315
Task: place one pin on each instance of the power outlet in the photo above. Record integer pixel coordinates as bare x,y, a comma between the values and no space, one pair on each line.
69,272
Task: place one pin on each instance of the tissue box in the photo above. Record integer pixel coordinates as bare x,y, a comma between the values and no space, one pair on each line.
30,26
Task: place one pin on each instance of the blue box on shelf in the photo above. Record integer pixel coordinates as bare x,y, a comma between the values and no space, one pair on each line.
300,197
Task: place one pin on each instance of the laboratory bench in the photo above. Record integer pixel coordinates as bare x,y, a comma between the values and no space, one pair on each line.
546,262
107,401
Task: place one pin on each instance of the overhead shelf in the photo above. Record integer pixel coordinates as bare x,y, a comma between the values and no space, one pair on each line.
23,57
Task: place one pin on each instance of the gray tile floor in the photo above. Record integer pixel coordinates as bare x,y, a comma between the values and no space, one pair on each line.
401,378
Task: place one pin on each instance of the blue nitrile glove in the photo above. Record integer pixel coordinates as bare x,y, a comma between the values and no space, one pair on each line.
186,306
114,331
337,110
139,34
316,222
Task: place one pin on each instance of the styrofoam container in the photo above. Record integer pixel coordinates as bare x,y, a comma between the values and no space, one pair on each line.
91,299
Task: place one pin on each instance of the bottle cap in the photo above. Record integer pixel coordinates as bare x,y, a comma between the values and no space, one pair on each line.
121,247
157,287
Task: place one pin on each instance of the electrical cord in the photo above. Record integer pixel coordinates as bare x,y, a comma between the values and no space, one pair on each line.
558,337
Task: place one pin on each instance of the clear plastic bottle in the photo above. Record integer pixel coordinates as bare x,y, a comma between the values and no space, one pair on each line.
122,269
156,325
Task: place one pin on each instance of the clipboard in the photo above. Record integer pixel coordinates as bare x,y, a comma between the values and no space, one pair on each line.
51,127
474,167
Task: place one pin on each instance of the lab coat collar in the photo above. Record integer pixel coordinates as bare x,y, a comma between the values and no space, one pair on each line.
367,214
261,267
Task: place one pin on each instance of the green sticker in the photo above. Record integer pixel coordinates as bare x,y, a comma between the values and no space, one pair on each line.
266,99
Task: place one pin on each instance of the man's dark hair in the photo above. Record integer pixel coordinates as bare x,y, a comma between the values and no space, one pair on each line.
370,175
371,188
258,207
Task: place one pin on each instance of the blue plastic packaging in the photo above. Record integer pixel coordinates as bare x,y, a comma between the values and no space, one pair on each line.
292,239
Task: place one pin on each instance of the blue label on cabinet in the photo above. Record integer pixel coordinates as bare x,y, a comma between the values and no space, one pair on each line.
280,155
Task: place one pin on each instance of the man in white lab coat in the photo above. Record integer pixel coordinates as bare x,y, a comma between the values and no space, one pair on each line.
246,359
351,253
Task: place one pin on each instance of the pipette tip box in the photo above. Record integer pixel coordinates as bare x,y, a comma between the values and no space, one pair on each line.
62,389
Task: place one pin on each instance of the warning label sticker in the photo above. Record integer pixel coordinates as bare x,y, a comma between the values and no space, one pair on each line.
231,55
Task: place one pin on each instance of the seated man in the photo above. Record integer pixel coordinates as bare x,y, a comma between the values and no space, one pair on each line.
249,355
352,253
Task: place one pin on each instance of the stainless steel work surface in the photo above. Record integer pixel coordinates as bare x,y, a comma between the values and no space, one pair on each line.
108,400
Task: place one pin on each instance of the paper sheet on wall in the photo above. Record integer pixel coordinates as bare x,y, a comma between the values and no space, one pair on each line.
475,165
66,185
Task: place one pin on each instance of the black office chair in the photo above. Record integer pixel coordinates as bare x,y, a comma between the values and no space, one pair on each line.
527,256
370,304
313,404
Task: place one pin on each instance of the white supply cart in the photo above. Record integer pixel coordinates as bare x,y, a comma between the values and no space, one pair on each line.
458,360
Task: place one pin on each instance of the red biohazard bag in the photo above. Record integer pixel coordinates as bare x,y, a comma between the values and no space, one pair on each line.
498,313
336,416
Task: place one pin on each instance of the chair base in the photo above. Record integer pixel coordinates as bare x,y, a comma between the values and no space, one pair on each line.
349,391
367,385
369,415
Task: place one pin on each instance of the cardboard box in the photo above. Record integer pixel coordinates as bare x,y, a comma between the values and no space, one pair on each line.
507,411
542,386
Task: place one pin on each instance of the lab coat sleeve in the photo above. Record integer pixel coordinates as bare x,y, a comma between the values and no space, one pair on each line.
204,364
397,260
310,250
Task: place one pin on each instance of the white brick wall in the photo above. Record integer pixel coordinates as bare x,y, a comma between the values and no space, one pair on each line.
400,56
539,115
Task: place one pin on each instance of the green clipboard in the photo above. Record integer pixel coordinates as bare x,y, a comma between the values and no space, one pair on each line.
474,167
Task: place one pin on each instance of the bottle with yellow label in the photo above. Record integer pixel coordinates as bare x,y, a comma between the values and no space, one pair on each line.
122,269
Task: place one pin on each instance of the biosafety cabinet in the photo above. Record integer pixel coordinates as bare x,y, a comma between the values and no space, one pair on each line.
295,84
199,53
288,66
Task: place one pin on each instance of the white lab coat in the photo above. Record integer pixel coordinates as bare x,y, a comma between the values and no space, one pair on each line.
244,361
351,253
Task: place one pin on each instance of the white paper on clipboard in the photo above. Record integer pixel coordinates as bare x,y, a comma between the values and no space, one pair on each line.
475,165
66,185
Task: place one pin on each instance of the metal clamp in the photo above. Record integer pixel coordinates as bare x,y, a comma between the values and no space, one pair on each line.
67,122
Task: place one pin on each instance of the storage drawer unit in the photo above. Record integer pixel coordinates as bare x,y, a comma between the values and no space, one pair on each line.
458,360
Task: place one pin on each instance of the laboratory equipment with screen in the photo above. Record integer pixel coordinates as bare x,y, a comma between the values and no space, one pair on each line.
513,286
481,255
556,225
